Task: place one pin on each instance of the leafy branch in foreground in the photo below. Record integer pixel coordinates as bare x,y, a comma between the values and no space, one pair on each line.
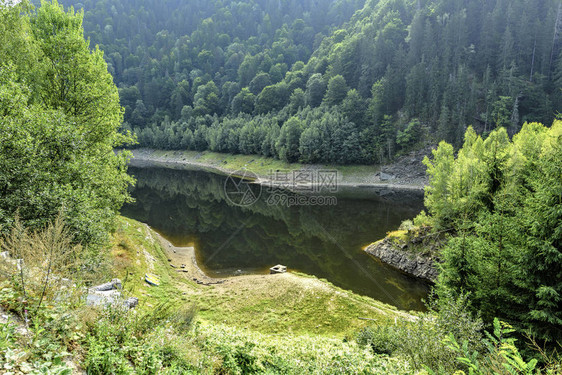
501,356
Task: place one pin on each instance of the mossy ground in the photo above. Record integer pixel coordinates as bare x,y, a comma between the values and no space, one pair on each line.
398,235
273,304
418,240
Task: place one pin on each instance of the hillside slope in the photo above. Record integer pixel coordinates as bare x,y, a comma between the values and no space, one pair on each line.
329,82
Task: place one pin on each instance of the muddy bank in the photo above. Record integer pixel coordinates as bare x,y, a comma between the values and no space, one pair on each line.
419,265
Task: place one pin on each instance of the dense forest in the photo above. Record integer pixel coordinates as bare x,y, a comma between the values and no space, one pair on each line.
342,81
500,203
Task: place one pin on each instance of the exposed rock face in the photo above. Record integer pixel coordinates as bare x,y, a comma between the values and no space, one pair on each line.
386,176
131,302
424,267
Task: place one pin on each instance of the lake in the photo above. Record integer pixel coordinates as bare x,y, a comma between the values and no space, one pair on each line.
192,207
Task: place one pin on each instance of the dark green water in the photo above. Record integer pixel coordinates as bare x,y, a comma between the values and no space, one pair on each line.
191,207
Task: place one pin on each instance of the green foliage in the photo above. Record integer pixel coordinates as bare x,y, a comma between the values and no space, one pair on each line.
315,89
206,99
72,78
272,98
423,340
125,343
41,346
434,66
501,111
410,135
243,102
288,143
166,339
244,353
500,202
259,82
58,128
381,339
501,356
40,255
354,108
437,198
336,91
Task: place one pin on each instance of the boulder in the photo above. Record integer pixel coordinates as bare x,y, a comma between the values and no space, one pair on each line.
386,176
418,265
109,294
132,302
113,284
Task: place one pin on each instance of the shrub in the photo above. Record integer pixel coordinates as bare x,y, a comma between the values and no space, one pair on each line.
381,339
38,265
500,356
423,340
406,225
136,342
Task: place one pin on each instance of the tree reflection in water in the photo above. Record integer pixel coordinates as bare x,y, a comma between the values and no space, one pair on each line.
325,241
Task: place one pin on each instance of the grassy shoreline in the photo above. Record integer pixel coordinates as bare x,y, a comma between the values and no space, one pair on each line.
270,304
350,176
274,324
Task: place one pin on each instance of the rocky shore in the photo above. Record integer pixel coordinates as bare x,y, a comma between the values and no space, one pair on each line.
415,264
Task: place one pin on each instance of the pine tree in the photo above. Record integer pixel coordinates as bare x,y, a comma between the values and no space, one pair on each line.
287,145
542,216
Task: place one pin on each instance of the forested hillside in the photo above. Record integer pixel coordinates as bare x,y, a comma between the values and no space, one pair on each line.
323,81
328,81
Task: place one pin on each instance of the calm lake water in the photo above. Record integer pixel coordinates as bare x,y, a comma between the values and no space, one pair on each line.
192,208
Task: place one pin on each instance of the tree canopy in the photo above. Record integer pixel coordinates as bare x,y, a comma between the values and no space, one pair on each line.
59,124
500,200
401,71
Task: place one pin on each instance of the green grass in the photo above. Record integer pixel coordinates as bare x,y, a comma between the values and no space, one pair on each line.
130,264
400,235
272,304
274,324
260,165
270,324
302,354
